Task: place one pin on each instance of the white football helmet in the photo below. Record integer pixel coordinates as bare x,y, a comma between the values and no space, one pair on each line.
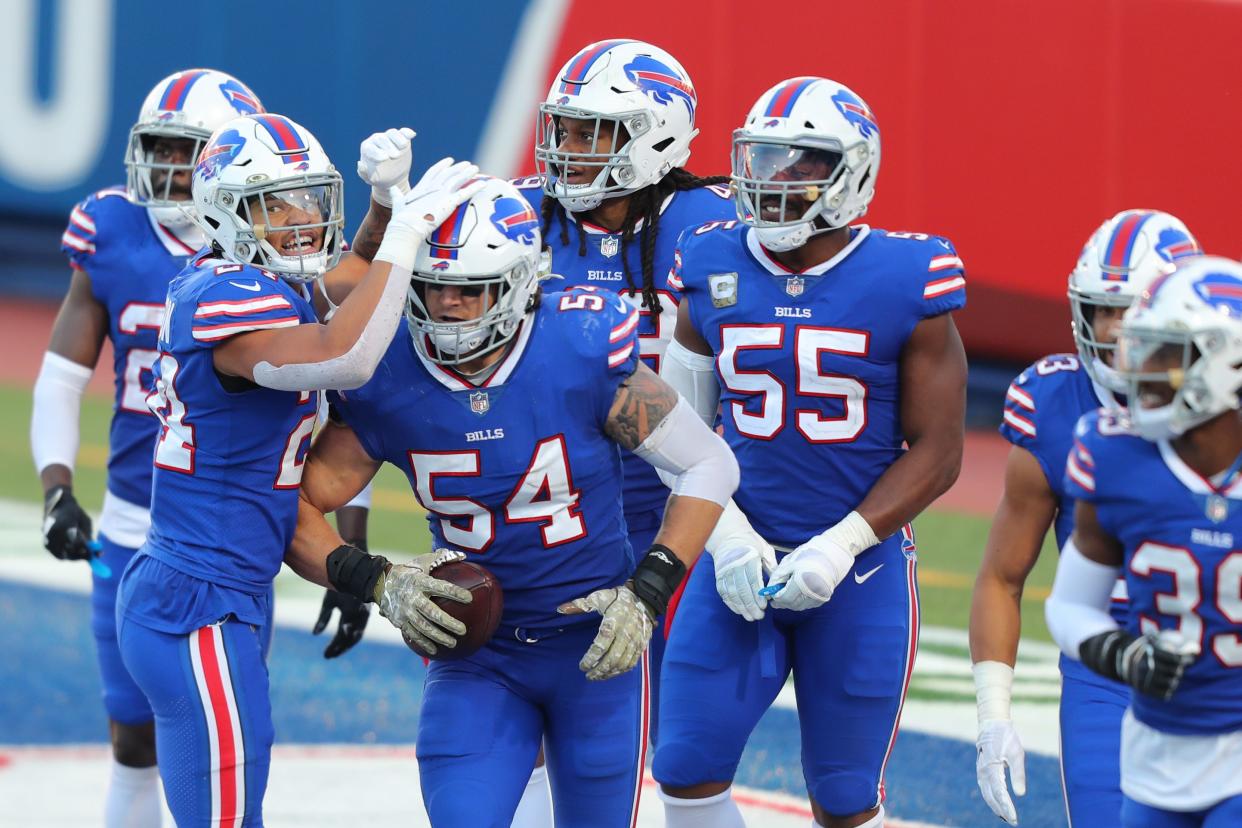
1120,259
188,105
1184,335
648,102
260,177
489,246
811,139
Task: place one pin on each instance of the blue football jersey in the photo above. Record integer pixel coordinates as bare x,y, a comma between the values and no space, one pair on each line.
130,259
517,472
1183,564
808,363
229,455
601,266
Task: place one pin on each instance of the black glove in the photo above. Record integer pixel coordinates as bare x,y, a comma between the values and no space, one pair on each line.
1152,664
353,623
66,526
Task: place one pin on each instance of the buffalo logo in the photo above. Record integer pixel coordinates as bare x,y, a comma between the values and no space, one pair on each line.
440,265
303,167
167,115
908,546
772,122
856,112
661,82
219,154
562,100
1174,245
240,98
515,219
479,403
1223,292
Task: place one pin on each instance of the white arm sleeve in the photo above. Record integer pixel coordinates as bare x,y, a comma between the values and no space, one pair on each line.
694,377
682,445
353,368
1078,606
57,405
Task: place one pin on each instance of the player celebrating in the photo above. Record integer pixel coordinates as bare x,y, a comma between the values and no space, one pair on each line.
1044,402
124,245
240,356
831,344
1158,494
505,409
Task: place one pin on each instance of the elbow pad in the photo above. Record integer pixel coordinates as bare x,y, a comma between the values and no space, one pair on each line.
353,368
701,462
694,377
58,392
1077,609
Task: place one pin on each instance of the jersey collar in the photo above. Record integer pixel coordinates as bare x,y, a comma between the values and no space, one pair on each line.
595,229
761,255
454,381
1191,479
187,244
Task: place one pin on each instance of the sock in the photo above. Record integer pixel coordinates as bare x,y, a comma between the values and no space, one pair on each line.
535,809
719,811
133,798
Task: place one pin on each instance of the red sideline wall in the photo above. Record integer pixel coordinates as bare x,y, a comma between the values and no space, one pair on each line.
1012,127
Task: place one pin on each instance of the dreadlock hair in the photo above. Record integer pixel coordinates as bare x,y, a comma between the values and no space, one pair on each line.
644,204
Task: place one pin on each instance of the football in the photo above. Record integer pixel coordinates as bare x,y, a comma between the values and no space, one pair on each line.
481,616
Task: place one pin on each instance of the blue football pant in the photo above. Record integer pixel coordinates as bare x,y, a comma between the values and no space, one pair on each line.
213,717
1091,712
1224,814
122,698
484,717
851,660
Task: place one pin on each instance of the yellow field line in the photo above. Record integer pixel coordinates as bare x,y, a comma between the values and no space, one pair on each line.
943,579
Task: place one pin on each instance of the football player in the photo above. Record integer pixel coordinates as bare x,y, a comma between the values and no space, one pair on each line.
1041,408
240,359
506,409
1159,502
825,346
124,245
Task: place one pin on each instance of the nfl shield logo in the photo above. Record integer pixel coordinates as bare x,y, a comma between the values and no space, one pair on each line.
479,403
609,246
794,285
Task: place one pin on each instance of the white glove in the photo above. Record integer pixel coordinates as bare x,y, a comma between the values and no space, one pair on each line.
623,634
740,569
384,163
998,748
424,208
812,571
404,597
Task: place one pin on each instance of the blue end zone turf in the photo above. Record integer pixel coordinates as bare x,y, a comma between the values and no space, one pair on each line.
50,694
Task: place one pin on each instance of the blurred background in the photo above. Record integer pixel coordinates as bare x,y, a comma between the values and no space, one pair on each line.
1013,127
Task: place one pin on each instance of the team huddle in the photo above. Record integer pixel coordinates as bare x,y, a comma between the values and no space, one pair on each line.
606,370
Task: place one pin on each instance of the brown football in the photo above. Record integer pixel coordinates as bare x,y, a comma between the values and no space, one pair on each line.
481,616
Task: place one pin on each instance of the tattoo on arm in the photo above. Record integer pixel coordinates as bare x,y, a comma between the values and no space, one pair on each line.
641,404
371,231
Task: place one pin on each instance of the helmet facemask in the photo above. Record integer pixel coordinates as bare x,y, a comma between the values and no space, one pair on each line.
1170,377
1098,357
151,169
611,139
292,227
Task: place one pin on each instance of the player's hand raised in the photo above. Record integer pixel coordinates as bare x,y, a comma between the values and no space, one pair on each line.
415,214
623,634
998,748
66,526
354,617
740,568
404,596
810,574
384,163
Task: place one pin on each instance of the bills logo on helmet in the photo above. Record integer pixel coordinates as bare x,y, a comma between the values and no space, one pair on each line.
856,112
1173,245
219,154
1223,292
515,219
240,98
661,82
441,265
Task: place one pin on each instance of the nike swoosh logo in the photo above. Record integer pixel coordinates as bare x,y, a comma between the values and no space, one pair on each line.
252,286
859,579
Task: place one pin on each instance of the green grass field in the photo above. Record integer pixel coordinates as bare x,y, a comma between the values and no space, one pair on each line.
950,544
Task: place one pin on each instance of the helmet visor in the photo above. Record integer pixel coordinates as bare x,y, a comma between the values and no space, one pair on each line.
778,183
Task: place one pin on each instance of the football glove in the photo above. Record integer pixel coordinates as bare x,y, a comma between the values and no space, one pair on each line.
66,526
417,213
384,163
740,568
623,634
998,748
354,617
810,574
404,596
1152,664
